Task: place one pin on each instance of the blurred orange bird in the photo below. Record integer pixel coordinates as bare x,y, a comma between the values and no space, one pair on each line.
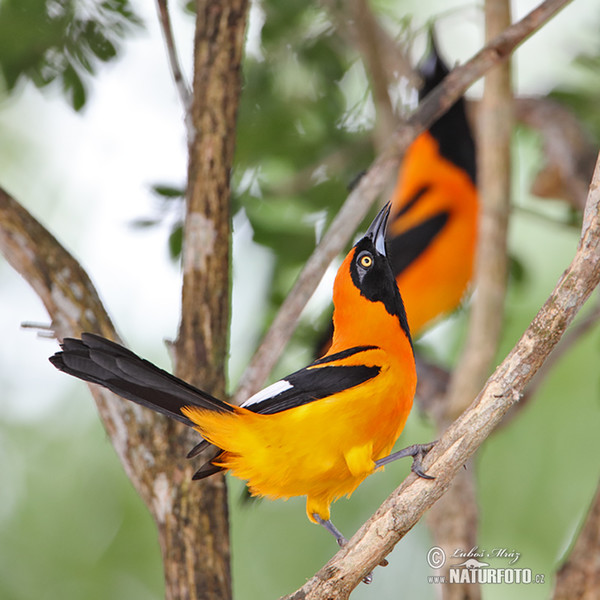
320,431
432,234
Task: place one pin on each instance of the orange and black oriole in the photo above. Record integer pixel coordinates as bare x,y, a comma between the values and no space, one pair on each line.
432,234
320,431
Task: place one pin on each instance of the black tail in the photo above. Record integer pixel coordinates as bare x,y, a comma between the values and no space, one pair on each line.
98,360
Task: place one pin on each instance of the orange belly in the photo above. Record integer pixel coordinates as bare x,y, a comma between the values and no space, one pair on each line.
322,450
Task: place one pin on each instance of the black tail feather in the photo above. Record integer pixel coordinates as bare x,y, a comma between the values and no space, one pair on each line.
206,470
198,449
98,360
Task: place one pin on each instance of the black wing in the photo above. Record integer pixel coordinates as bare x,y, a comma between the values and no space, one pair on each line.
98,360
405,248
315,382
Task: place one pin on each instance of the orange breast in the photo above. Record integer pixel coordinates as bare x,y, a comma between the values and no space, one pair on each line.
324,449
437,280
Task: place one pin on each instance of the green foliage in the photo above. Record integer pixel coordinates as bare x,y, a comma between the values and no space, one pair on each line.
296,153
303,137
60,40
176,241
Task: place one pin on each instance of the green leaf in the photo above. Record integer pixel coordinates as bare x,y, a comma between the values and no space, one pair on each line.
168,192
45,40
176,241
74,88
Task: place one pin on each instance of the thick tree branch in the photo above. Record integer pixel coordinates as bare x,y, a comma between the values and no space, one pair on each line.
57,278
71,301
405,506
151,456
203,331
576,332
191,517
151,448
202,568
374,182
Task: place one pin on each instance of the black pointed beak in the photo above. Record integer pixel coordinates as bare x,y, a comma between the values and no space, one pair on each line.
376,231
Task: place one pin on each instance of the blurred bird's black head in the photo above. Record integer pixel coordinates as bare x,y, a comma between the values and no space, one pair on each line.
451,130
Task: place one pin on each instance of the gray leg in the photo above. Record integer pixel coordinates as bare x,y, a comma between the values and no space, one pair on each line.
333,530
417,451
339,538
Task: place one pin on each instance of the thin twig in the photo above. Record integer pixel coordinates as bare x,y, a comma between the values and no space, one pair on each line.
567,149
374,181
370,38
405,506
183,89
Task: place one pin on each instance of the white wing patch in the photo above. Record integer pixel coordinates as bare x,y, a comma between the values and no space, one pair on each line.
269,392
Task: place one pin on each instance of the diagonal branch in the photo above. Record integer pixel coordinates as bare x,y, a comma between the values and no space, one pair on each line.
374,182
405,506
576,332
150,448
191,518
69,297
58,279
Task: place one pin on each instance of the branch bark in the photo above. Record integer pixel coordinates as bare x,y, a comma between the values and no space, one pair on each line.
151,453
454,519
405,506
374,182
191,517
201,347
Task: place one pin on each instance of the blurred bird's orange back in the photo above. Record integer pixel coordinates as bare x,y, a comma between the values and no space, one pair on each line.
432,234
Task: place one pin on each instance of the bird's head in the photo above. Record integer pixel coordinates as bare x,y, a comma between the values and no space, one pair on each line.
365,295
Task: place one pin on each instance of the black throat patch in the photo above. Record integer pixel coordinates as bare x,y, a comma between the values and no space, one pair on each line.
377,283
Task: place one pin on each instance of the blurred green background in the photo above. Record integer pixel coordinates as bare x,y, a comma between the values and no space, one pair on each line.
106,179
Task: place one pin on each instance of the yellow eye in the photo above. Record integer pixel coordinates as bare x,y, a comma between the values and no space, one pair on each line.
365,261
